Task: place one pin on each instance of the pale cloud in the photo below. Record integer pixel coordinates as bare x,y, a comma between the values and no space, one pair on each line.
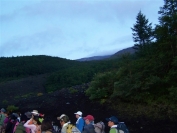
70,28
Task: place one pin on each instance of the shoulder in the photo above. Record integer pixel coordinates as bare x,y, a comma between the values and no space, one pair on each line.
81,120
3,116
90,126
113,130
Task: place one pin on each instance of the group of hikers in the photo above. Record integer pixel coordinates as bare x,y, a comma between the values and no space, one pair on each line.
35,122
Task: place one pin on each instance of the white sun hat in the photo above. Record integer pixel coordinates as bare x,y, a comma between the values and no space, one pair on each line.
58,118
35,112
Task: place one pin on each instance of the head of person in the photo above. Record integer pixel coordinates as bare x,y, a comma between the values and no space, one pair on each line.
46,125
112,121
35,120
12,117
7,114
63,119
3,111
78,114
35,113
88,119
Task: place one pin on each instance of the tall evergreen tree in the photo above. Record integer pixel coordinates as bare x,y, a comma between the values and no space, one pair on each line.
142,31
166,31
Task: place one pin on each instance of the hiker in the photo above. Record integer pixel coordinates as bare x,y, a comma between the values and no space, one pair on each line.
46,126
112,123
11,124
6,120
89,127
20,128
80,121
2,117
19,116
35,113
33,124
64,121
25,118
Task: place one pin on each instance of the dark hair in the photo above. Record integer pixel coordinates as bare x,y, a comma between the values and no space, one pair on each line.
8,113
46,125
36,118
12,117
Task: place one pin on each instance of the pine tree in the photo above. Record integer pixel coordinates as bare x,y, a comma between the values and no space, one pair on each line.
142,31
166,31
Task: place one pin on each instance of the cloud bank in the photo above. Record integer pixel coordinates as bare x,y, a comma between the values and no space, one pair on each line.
70,29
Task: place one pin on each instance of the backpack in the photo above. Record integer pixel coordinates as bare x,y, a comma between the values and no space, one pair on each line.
99,127
15,123
122,128
20,128
72,129
56,129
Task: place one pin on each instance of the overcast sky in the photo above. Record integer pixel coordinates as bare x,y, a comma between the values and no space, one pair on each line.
70,29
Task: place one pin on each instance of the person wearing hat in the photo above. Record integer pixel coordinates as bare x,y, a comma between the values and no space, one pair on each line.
112,123
80,121
35,112
34,124
89,127
64,121
2,118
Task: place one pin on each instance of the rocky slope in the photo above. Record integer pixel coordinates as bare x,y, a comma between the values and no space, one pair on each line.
29,94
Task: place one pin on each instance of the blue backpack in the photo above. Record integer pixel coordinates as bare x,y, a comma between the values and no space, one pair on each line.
121,127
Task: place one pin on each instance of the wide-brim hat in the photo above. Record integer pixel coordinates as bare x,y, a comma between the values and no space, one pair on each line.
35,112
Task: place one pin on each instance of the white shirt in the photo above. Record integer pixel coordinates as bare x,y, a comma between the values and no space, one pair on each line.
30,126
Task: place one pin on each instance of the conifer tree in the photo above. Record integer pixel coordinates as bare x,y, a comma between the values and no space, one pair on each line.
166,31
142,31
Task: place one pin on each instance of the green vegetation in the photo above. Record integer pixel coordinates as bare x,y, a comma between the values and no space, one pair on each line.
39,94
76,75
23,66
72,90
12,108
150,78
5,102
27,95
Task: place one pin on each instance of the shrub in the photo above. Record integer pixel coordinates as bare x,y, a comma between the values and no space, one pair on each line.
12,108
4,101
72,90
39,94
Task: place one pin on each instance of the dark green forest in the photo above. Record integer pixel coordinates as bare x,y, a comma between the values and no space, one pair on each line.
145,81
63,72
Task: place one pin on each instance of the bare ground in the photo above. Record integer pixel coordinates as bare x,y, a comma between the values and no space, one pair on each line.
29,93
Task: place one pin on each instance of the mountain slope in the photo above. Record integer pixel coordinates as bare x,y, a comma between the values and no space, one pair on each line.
94,58
129,50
